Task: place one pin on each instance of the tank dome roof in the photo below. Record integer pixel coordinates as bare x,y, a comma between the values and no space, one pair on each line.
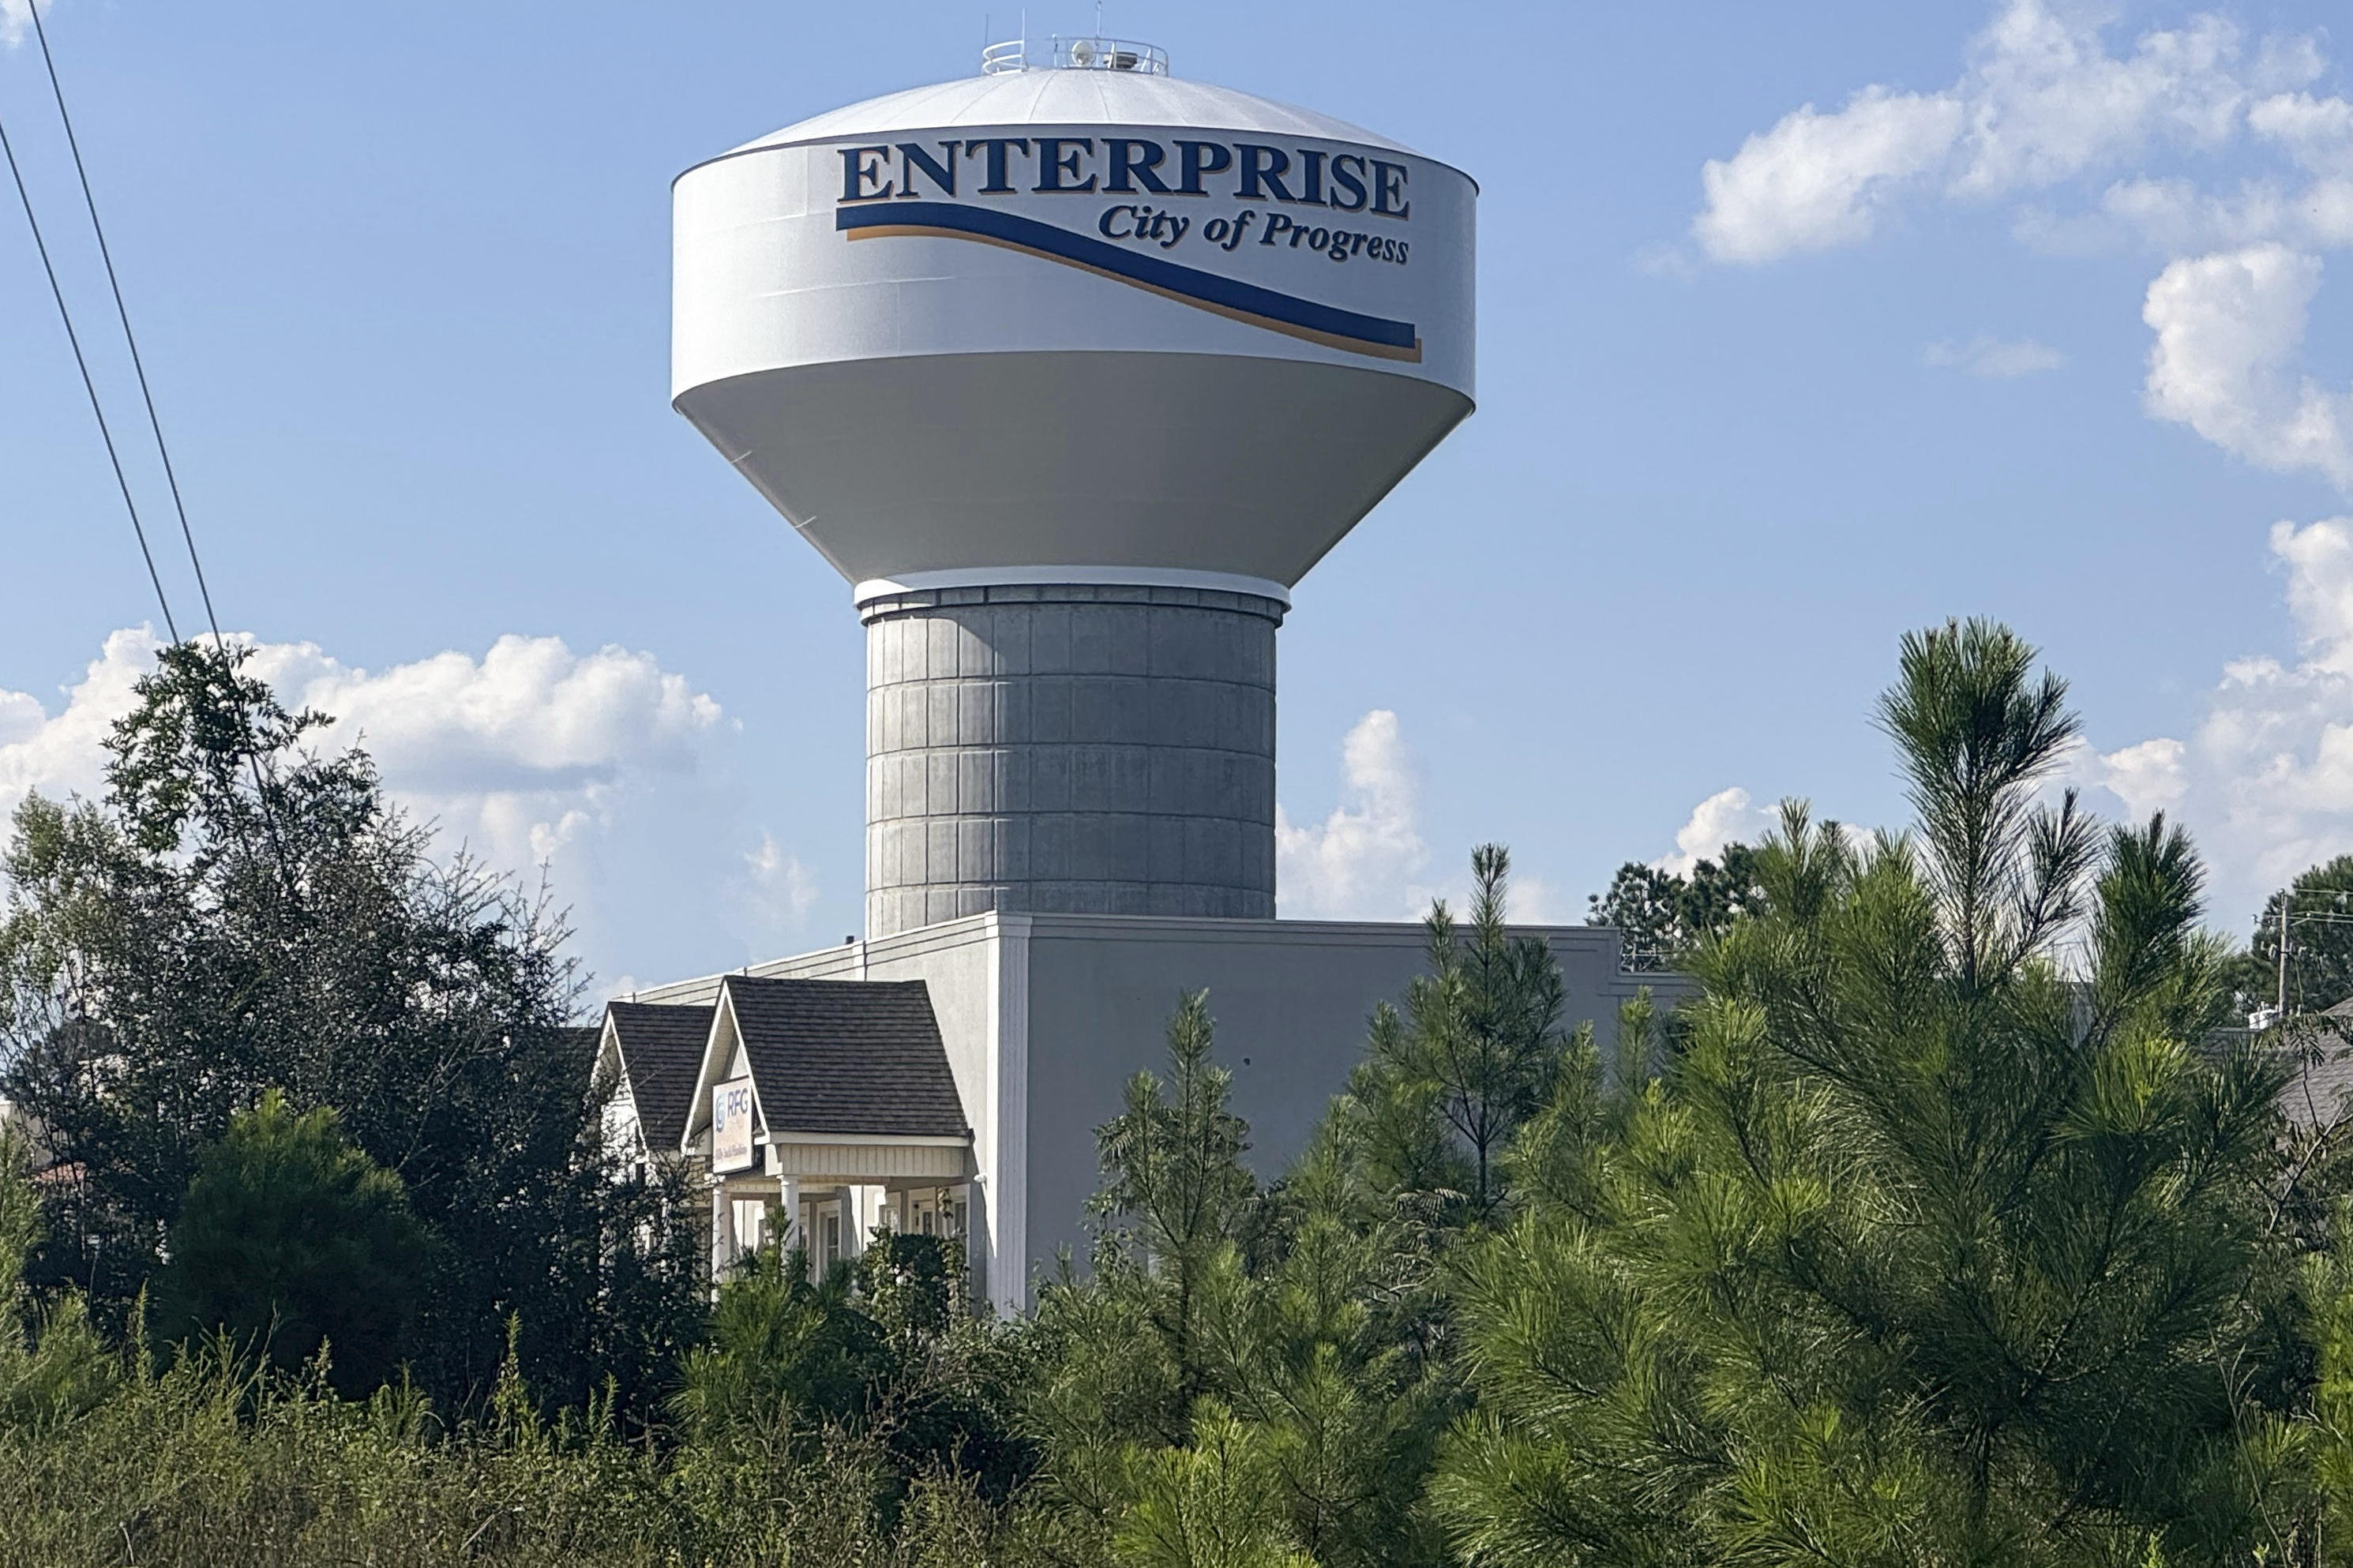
1061,97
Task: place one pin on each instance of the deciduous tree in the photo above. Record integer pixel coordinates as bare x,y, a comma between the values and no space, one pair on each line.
243,911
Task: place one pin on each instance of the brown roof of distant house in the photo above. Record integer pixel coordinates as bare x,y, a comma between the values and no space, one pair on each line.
856,1057
661,1050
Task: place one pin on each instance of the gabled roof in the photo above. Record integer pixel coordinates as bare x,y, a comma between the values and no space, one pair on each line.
661,1050
847,1057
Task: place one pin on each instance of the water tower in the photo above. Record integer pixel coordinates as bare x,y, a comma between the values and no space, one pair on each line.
1073,369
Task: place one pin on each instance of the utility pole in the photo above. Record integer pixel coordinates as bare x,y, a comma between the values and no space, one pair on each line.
2283,951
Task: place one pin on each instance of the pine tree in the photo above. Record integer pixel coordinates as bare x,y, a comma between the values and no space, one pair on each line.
1474,1055
1175,1185
1294,1340
289,1240
1919,1246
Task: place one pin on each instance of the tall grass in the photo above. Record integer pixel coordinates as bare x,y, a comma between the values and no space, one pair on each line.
108,1457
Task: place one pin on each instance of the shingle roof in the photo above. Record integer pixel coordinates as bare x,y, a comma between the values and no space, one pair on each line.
848,1056
662,1050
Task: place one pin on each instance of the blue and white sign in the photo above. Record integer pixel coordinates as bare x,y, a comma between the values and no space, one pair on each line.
1135,226
731,1125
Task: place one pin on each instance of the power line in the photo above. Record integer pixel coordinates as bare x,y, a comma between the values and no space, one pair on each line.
89,386
155,426
122,314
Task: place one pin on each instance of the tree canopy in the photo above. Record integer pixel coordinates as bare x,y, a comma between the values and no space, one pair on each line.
2319,970
242,912
1664,917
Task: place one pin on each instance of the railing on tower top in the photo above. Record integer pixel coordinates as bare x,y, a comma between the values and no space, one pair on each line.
1075,54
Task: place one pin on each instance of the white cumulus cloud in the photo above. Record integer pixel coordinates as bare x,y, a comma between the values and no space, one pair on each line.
1817,180
1727,816
1368,860
2047,100
1998,358
2041,100
606,771
1361,861
17,19
2265,780
64,754
2228,328
775,889
516,753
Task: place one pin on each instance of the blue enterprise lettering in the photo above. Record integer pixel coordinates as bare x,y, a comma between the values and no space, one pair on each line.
1127,252
1131,165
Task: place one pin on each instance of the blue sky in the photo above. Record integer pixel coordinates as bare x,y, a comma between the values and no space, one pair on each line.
2035,312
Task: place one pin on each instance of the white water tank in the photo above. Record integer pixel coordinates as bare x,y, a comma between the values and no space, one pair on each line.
1072,369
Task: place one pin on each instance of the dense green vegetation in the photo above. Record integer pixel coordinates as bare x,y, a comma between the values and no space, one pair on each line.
1945,1221
240,914
1663,918
291,1240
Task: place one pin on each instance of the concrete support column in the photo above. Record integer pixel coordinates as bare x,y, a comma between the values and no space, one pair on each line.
1080,749
865,1207
723,1232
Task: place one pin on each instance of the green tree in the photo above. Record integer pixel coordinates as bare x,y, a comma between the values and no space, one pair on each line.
1333,1345
1214,1503
53,1367
290,1239
1293,1338
784,1357
2319,943
877,1358
1474,1055
1917,1248
1663,918
241,911
1176,1192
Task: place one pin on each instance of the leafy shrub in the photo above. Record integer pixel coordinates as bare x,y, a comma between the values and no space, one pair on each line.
291,1240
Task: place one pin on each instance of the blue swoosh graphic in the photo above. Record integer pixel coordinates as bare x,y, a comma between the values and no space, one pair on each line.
1267,308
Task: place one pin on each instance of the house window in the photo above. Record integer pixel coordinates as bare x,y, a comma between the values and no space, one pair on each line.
831,1243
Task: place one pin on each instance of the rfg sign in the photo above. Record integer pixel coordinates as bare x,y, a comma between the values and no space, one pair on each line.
731,1125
